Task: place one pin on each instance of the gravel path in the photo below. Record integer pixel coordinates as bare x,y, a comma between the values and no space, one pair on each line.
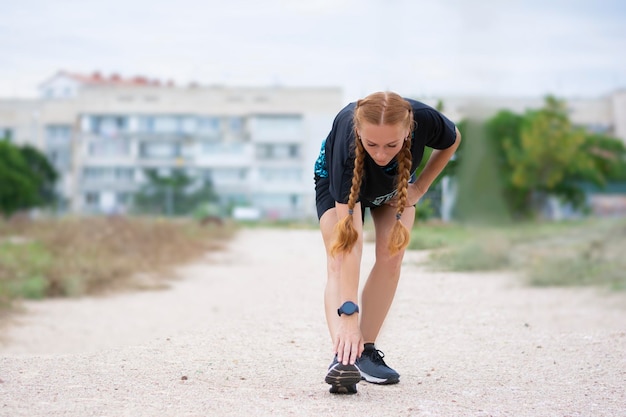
243,334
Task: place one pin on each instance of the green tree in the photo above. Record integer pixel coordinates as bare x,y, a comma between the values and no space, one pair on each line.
42,172
548,156
172,195
609,158
26,178
541,154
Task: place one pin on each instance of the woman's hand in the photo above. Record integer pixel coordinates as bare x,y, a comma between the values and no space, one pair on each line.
415,193
348,340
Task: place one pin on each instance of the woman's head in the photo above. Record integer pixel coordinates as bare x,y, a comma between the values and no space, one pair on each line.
382,121
383,124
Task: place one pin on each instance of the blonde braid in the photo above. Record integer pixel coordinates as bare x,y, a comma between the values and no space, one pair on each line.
399,237
345,232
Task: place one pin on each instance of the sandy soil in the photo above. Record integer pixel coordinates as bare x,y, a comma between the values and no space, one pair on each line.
243,334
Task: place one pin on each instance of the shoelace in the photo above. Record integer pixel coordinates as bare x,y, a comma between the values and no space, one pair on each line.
377,356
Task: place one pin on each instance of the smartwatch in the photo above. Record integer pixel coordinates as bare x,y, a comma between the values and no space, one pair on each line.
348,308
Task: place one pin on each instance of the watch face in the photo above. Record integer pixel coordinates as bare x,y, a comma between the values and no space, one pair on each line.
348,308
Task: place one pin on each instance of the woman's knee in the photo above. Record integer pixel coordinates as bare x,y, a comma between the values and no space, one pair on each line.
390,262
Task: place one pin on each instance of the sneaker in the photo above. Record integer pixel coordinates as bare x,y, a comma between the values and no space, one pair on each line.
342,378
374,369
338,389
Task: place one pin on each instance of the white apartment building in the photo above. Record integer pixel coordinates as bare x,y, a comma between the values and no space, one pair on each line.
256,145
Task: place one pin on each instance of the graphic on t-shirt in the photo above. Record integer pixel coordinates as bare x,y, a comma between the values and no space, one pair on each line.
378,201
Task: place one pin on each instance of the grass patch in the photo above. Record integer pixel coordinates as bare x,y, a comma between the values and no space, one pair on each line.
590,256
474,256
22,269
576,272
433,235
573,253
77,256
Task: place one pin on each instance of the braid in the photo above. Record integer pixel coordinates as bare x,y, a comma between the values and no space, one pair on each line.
357,173
346,234
399,237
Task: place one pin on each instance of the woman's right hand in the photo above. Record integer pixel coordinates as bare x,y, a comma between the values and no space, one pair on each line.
348,340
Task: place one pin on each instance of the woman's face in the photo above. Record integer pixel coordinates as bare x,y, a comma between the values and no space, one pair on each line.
382,142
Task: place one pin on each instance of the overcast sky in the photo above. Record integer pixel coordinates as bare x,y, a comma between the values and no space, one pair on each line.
441,47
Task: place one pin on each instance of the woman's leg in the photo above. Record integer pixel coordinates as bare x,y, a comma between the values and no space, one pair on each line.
332,299
342,377
380,288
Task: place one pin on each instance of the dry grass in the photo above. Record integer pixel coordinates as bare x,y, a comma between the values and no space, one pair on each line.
575,253
76,256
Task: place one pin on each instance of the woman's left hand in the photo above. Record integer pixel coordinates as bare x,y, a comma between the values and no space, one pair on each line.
414,195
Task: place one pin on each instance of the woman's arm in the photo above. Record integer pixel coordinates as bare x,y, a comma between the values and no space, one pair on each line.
350,262
436,163
348,342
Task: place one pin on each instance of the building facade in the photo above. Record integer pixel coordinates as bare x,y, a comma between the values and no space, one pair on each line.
256,146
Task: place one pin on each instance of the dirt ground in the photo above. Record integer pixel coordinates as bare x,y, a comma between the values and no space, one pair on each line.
242,333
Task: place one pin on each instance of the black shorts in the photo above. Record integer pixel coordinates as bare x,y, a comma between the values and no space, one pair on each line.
324,201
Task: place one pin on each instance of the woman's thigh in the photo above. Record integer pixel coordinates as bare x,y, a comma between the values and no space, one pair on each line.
384,218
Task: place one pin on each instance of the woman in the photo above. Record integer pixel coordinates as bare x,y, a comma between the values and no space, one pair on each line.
369,159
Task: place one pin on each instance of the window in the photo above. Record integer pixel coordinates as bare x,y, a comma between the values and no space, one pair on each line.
92,198
281,151
60,158
108,126
235,125
166,124
108,174
124,174
280,174
225,175
277,128
146,124
109,147
222,148
188,124
277,151
209,126
264,151
159,150
58,134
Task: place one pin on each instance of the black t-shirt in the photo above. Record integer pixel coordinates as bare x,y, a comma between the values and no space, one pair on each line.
336,160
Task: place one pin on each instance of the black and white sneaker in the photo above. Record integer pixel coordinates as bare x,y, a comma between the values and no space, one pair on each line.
374,369
342,378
